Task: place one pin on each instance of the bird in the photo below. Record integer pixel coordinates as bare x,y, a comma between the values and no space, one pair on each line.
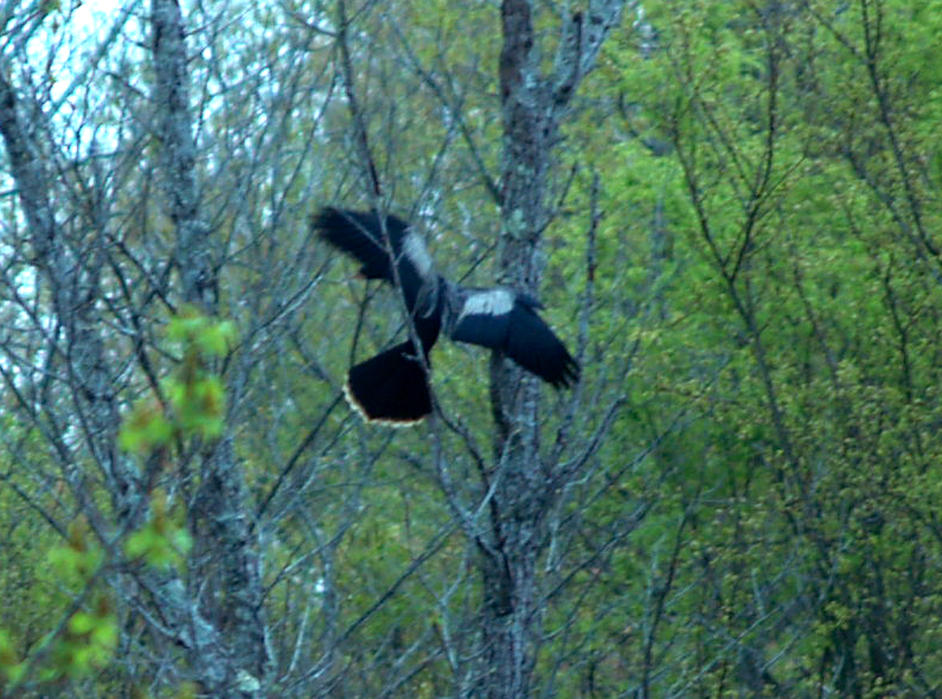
393,386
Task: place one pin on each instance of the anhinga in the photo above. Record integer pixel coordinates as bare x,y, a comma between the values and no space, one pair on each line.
393,386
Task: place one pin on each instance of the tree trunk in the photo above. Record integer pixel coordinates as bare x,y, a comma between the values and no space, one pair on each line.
225,561
532,105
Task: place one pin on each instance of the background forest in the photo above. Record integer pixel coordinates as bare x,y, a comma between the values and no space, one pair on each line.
731,212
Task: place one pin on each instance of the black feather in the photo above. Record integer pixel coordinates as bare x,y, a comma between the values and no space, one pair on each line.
481,329
534,346
523,336
390,387
361,236
364,237
393,386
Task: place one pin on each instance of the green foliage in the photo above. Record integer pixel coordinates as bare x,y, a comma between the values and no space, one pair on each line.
11,667
763,516
86,645
789,309
191,400
87,637
77,561
161,542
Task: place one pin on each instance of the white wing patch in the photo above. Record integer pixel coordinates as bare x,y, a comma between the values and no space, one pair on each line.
496,302
414,249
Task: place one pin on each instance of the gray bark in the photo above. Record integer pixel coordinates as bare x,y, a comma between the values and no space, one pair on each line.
73,282
533,105
222,635
226,560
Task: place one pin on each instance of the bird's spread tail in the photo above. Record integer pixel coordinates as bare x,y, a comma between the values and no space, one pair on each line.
391,387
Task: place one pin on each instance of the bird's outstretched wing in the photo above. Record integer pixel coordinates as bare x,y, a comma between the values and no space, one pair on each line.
507,321
363,236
